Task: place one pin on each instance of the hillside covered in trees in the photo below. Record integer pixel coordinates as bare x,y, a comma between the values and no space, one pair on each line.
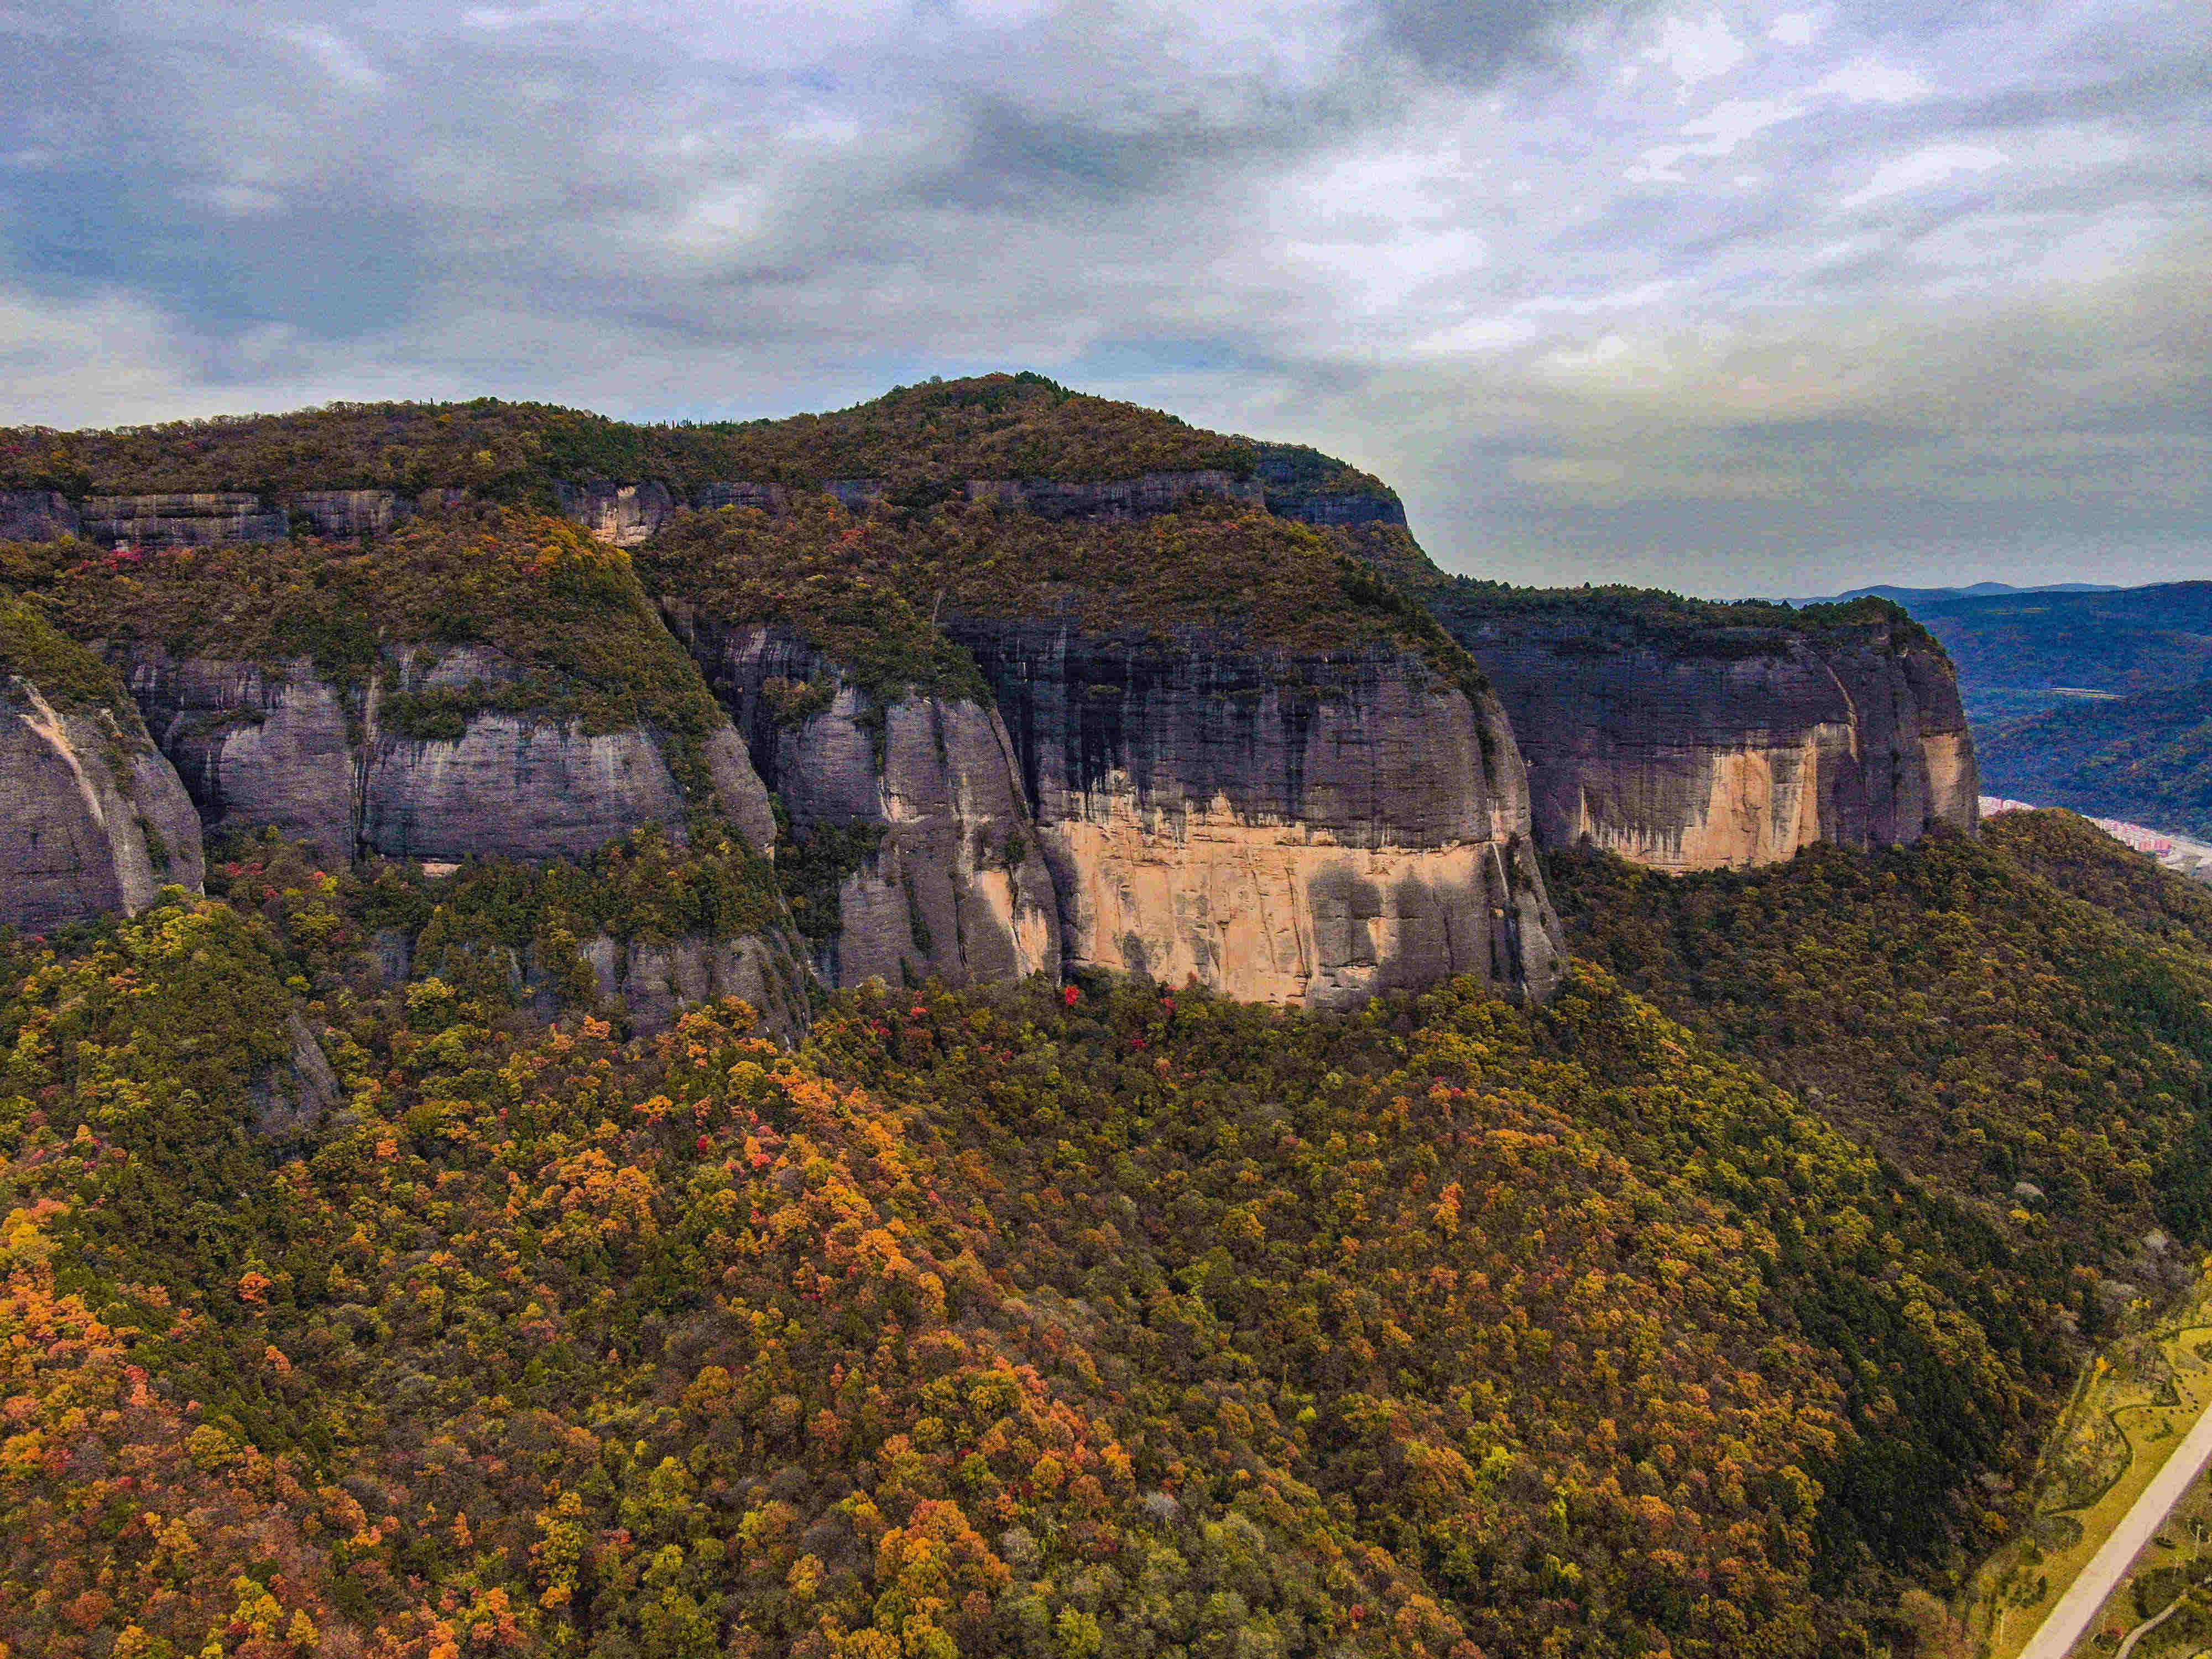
1123,1319
997,426
2147,758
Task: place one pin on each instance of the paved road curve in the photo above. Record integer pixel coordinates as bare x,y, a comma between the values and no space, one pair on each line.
2078,1606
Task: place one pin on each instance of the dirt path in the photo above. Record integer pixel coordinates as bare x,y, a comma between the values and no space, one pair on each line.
2078,1609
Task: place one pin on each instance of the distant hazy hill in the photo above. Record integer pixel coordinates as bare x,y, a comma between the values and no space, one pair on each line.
1912,596
2147,758
2013,648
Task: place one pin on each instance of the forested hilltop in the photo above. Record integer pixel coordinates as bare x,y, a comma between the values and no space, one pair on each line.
1001,426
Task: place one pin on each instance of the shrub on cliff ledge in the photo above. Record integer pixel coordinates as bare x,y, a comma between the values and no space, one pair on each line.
65,673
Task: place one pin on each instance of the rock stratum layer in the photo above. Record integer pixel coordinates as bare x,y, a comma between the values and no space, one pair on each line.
263,745
1038,682
1281,828
1729,745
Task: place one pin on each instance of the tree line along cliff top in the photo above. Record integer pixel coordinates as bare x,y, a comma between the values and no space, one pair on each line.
993,426
919,444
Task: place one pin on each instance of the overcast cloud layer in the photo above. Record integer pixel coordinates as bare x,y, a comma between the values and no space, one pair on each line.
1729,298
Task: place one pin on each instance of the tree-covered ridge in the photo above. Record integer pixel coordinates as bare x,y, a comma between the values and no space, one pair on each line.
2147,758
993,426
1612,617
65,673
873,593
1003,1322
2012,649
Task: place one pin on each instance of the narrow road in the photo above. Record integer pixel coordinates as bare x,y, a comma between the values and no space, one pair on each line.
2078,1607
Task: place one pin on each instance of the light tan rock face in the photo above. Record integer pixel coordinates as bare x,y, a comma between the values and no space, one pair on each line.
1297,830
956,885
92,820
1713,807
260,746
623,515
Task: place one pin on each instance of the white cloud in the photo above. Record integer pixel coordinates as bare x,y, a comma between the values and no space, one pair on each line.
1933,165
1794,28
339,57
1697,50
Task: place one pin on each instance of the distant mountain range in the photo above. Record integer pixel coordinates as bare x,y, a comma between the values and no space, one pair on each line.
1910,597
2084,696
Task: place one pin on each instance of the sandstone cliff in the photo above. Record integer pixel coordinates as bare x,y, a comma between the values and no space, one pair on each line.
1692,743
277,744
1285,828
937,868
92,818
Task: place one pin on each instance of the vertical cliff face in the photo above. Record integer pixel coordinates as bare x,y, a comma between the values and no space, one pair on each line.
1286,828
261,745
198,519
92,819
37,515
1692,749
938,869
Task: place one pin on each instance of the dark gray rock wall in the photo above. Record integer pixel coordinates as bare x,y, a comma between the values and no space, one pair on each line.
1735,748
259,745
37,515
344,514
1118,500
212,518
657,981
92,819
956,886
256,745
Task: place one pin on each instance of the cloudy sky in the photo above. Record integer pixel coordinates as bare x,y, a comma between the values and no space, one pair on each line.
1735,299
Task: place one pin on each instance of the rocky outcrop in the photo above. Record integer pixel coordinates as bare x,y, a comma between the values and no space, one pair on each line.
343,514
291,1098
92,819
202,520
260,745
1302,483
657,981
952,882
624,514
37,515
1308,830
1700,749
760,497
629,514
1118,500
